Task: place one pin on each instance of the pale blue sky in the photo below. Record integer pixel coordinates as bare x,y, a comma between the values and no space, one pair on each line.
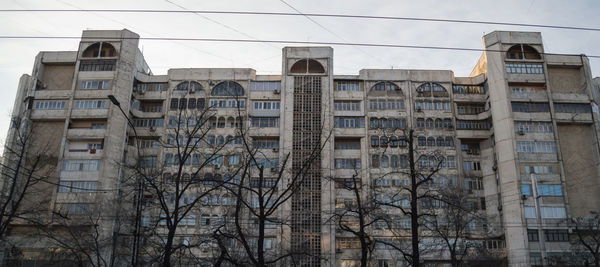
17,55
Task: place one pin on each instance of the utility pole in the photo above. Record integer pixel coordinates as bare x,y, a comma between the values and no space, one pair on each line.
538,216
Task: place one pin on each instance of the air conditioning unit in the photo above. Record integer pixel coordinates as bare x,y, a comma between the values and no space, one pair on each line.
418,109
275,149
277,92
521,132
338,250
274,169
93,151
152,129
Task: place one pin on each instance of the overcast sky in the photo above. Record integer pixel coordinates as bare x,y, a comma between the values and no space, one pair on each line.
17,56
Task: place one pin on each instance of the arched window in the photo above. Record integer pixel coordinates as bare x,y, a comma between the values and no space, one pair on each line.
229,139
166,178
432,161
185,177
231,122
383,123
385,86
213,122
429,123
227,88
431,89
374,141
522,51
373,123
307,66
100,50
220,140
403,161
394,161
439,124
383,141
393,141
431,141
447,123
420,123
183,86
393,123
449,141
440,141
375,161
442,161
221,122
195,86
385,163
422,141
402,141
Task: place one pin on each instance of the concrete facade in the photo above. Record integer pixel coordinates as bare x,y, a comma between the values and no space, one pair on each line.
522,114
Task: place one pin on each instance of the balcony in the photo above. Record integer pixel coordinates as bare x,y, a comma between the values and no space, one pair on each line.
90,113
48,114
82,133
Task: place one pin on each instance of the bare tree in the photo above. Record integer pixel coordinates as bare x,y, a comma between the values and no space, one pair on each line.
174,190
359,215
423,167
454,222
264,187
586,241
27,169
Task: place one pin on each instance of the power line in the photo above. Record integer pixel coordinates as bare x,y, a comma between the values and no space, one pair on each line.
481,22
279,42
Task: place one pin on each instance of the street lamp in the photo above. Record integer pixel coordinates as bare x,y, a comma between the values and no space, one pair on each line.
538,215
140,185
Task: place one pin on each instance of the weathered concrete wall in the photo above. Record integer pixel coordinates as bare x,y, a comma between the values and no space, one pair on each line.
566,80
58,77
580,157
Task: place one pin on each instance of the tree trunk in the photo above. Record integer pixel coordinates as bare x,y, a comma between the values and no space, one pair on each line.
414,216
169,248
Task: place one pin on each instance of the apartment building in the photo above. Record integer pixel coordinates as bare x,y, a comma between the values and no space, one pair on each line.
523,118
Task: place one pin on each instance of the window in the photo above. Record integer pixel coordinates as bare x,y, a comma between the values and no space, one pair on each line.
228,88
431,89
522,51
90,104
472,125
547,212
74,208
470,109
470,148
265,85
347,144
530,107
266,105
549,190
572,108
148,161
347,163
539,169
386,104
471,166
78,186
556,235
468,89
536,147
473,183
145,123
349,122
100,49
430,105
345,242
266,143
522,68
56,104
81,165
267,163
264,122
385,86
526,190
533,235
347,85
104,65
307,66
450,162
95,85
346,105
533,127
